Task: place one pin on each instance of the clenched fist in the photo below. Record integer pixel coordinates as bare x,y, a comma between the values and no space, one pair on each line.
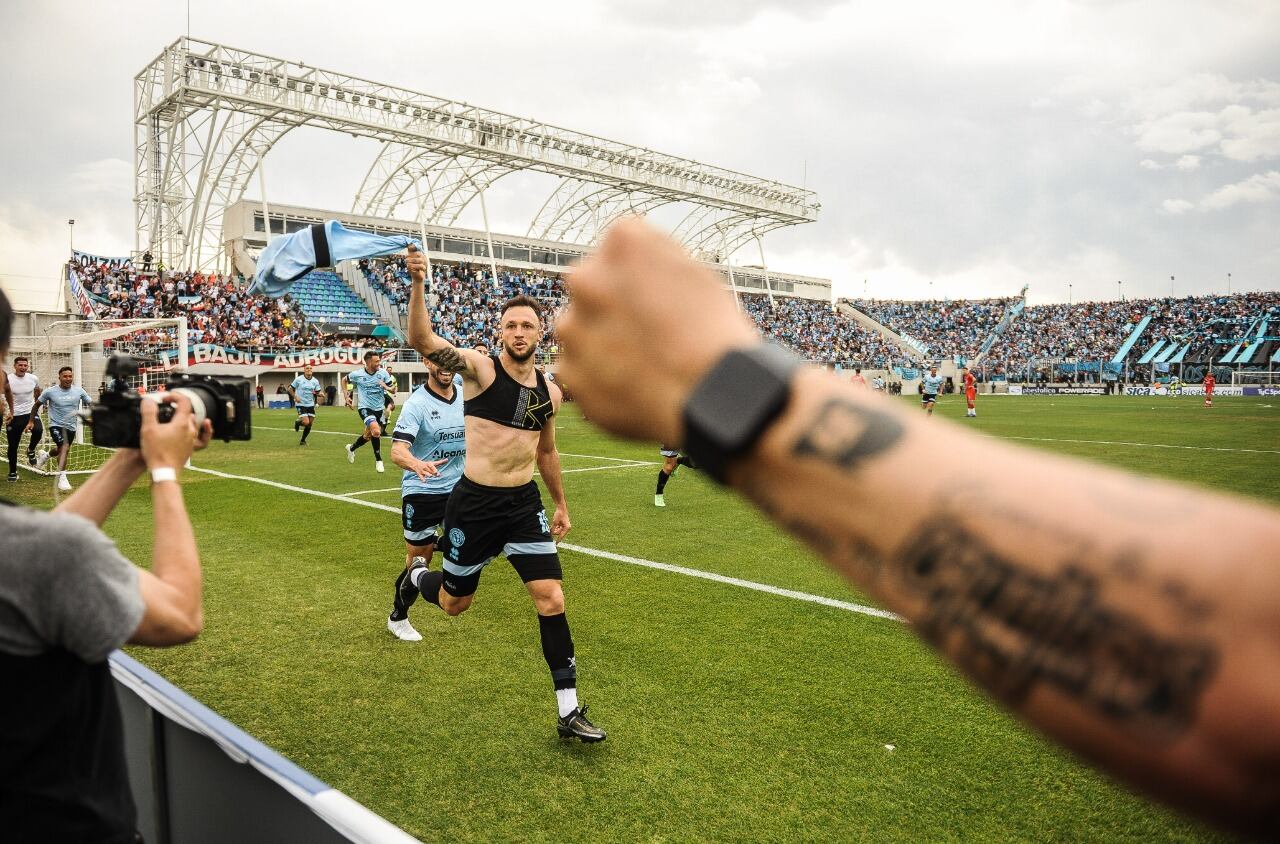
644,324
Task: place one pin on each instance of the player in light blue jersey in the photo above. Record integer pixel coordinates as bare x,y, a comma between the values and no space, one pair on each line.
371,384
304,390
429,443
932,386
64,400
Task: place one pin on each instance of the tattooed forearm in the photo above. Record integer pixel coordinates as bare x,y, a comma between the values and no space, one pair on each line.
847,432
1014,629
446,358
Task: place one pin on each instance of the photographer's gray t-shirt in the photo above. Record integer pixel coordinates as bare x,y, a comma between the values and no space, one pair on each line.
63,584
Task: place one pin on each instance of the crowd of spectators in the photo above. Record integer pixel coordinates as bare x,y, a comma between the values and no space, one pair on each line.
944,327
388,276
819,333
219,311
216,306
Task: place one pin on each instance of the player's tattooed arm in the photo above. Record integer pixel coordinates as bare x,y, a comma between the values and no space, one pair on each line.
447,357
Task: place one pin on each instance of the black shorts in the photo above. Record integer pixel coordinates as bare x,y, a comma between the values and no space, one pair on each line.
62,436
481,522
421,514
309,410
928,398
368,415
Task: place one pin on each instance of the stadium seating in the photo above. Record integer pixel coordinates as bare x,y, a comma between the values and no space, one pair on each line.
324,297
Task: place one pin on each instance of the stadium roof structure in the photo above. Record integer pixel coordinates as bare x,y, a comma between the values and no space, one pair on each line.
206,114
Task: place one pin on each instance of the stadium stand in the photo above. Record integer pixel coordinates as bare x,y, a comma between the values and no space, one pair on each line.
819,333
324,297
949,327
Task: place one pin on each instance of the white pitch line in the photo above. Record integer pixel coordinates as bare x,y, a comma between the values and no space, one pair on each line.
637,464
593,552
1143,445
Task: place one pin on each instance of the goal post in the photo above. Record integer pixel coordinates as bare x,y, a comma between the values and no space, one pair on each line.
159,345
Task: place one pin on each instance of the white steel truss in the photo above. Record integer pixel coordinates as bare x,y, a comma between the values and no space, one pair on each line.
205,114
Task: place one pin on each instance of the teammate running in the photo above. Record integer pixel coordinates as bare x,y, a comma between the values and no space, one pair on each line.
1209,383
389,400
496,507
429,444
970,392
371,384
21,391
672,459
64,400
303,391
932,384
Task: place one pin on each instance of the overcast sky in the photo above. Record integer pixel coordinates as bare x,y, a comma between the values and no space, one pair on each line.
958,149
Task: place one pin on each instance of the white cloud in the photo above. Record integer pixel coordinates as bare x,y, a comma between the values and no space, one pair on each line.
1260,187
1180,132
1149,164
1176,206
1188,162
1254,135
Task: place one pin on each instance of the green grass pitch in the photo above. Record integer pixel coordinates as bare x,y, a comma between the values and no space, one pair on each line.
733,714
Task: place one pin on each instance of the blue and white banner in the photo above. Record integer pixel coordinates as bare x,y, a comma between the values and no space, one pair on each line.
80,295
84,259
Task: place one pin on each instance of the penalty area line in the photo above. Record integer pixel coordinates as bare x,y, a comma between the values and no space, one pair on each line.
847,606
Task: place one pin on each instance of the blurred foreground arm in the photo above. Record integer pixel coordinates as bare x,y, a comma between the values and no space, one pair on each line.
1155,653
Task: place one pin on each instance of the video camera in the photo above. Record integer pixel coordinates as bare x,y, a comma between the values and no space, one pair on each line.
117,417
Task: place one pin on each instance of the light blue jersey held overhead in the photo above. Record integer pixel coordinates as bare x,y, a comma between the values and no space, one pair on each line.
63,404
933,384
369,393
306,390
434,429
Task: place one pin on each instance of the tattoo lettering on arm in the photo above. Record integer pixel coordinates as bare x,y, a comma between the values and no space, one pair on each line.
845,433
1015,629
447,358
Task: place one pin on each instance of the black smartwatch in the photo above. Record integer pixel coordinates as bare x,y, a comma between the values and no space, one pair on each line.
735,403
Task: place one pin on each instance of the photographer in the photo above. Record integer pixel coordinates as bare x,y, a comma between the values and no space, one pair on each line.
67,599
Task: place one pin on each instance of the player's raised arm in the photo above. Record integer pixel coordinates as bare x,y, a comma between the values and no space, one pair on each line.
422,335
1155,653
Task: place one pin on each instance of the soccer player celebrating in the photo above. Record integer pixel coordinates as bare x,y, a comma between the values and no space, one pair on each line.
970,392
22,391
429,443
303,390
1209,383
496,507
672,459
64,400
932,384
372,383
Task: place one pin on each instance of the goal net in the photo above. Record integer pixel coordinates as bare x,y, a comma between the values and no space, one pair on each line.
158,344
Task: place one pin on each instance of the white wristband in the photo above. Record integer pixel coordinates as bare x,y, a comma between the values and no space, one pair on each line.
163,473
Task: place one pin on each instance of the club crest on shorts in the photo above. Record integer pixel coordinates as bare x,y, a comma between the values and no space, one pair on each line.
408,511
457,537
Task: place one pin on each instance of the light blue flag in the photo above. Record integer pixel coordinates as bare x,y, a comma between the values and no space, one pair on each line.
289,257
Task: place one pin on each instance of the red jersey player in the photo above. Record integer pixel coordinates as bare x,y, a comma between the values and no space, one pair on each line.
857,380
1209,382
970,392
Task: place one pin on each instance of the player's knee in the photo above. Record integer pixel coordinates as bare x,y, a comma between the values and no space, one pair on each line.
549,602
452,605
